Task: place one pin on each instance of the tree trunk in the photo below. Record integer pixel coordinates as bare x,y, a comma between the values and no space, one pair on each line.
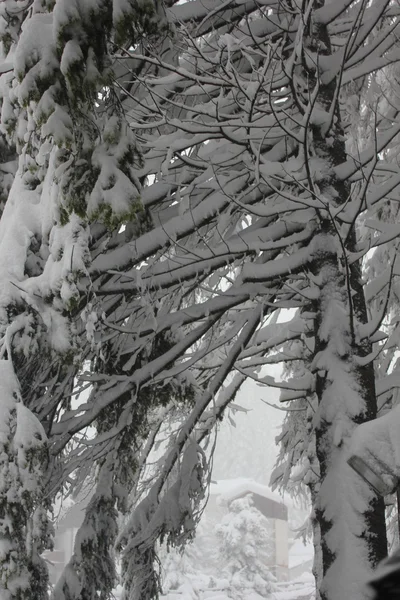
350,515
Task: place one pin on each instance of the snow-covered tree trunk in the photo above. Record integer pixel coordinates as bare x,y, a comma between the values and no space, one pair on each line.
350,516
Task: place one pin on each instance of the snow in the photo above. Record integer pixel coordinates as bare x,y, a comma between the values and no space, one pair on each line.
345,497
72,54
65,248
378,444
9,390
35,55
121,10
229,489
58,126
20,220
303,588
29,429
75,11
277,268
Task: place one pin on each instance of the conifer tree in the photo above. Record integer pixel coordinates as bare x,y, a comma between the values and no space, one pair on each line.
76,161
24,528
246,549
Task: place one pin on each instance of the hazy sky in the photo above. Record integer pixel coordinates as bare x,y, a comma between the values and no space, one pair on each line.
249,449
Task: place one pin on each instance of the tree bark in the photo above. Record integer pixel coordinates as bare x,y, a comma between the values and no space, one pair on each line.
350,515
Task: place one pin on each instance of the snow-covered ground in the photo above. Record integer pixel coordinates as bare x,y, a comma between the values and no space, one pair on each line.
302,588
301,558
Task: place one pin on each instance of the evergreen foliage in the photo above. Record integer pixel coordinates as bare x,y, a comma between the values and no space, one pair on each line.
246,545
24,526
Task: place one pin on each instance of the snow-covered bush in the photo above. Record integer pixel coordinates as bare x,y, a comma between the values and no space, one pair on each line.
179,574
186,574
245,548
231,560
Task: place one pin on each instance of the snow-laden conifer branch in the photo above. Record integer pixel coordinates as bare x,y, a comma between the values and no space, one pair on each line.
157,516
